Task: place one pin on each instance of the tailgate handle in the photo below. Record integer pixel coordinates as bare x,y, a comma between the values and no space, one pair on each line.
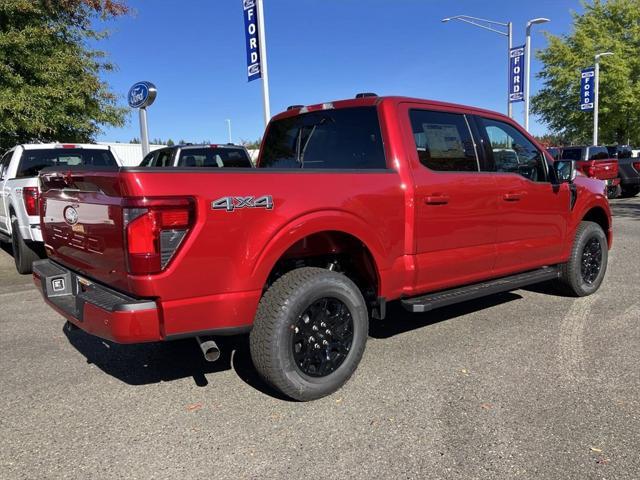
437,199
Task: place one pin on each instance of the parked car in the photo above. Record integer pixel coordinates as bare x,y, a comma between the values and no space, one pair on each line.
354,203
595,162
227,155
628,169
19,169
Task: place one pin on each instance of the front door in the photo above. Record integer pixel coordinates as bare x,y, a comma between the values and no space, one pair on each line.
454,202
532,212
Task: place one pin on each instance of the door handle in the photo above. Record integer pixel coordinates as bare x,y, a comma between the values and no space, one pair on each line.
512,196
437,199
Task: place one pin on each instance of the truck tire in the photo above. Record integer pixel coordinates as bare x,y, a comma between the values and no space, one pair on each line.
23,254
614,192
630,191
309,333
583,273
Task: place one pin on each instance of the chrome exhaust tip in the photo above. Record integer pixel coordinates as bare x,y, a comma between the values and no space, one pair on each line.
209,349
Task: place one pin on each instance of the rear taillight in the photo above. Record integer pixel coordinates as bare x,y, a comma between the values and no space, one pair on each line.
636,165
31,196
155,231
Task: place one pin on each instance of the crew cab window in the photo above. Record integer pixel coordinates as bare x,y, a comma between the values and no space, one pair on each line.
512,152
164,158
346,138
598,153
33,161
148,160
214,157
443,141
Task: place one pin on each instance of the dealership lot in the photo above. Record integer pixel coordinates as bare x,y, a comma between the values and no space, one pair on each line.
517,385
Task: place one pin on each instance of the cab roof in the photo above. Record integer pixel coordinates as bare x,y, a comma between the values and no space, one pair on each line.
369,101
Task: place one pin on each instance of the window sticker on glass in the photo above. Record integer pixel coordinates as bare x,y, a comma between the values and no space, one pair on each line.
444,140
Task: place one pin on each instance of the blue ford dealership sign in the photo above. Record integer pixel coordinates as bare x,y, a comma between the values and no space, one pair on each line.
516,74
253,42
586,88
142,94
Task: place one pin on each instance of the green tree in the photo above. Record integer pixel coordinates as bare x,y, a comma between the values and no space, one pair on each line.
605,26
170,143
50,85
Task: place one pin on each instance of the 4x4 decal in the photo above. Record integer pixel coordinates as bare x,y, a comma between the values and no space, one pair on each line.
232,203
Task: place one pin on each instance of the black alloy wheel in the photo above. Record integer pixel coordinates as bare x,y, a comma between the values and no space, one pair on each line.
322,337
591,260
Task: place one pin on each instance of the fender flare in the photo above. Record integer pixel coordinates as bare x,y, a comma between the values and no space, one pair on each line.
317,222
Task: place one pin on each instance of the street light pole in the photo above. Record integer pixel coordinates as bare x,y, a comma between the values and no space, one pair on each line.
596,100
488,25
527,60
228,120
263,63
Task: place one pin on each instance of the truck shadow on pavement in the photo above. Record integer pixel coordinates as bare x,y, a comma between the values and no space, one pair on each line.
149,363
625,208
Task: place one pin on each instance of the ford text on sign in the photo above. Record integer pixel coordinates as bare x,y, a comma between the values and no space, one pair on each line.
586,88
251,35
516,74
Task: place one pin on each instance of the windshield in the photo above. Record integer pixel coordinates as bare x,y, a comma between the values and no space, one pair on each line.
214,157
33,161
347,138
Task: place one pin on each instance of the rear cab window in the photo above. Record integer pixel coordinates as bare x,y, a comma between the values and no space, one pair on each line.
32,161
598,153
572,154
345,138
227,157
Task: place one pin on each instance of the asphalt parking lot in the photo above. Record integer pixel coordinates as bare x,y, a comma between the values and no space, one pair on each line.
525,384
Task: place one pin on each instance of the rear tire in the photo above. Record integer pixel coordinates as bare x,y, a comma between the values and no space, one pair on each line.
630,191
587,265
23,253
309,333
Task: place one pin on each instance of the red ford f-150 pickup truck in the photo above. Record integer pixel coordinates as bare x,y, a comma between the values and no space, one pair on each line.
355,203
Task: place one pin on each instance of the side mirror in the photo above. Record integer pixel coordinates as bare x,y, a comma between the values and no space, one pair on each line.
565,170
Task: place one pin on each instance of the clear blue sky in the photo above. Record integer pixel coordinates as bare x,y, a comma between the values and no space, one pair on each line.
319,50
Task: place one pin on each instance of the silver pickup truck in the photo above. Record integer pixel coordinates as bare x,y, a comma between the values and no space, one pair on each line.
20,192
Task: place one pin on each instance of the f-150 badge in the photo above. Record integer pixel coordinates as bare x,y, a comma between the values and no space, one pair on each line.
233,203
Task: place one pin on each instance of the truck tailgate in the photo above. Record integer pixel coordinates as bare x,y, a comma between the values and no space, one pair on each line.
602,169
81,218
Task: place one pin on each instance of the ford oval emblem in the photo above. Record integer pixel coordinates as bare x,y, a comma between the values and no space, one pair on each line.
142,94
71,215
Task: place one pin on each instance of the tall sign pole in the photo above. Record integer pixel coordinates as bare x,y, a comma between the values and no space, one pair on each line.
597,95
509,46
257,49
527,67
140,96
263,64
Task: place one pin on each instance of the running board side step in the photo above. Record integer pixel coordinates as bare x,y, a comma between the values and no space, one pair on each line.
443,298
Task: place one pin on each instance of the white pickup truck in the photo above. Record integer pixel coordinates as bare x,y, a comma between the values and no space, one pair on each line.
20,192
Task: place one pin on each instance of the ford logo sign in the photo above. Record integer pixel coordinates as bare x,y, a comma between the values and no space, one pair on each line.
142,94
70,215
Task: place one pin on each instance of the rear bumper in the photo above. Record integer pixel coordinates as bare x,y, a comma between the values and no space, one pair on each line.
96,309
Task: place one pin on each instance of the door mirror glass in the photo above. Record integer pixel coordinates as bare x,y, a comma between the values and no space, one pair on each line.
565,170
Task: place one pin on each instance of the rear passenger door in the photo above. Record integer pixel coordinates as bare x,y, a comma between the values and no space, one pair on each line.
454,202
532,213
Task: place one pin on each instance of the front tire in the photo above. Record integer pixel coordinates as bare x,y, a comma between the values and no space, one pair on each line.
23,254
585,270
309,333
